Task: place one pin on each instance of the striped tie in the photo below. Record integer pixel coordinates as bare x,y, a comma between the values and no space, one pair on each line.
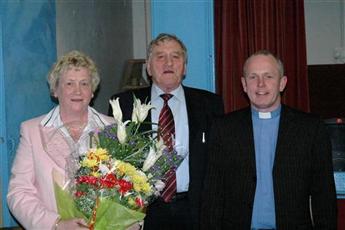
166,123
166,126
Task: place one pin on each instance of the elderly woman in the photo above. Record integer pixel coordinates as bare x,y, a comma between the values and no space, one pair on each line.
47,141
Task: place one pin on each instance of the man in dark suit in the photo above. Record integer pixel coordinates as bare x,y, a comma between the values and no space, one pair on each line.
270,166
193,111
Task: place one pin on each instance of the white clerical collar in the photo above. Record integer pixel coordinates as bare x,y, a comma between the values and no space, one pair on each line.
266,115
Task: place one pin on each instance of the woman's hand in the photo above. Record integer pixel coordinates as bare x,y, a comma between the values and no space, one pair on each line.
76,223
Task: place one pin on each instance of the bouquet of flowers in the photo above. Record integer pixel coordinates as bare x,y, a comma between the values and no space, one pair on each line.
121,173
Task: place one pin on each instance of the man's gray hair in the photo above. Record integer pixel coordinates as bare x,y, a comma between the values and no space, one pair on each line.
167,37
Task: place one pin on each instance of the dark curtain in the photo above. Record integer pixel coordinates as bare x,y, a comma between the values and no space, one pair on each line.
243,27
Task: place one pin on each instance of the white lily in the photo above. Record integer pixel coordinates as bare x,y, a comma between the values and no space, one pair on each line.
159,185
151,158
104,169
117,112
160,146
121,131
140,111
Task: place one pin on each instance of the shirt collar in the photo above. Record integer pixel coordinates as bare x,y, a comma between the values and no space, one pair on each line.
266,115
156,92
53,119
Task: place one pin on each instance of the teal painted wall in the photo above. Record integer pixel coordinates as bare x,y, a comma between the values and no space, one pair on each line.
192,21
3,149
28,50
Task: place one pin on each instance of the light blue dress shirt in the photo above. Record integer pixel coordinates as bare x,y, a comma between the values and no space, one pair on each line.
178,107
265,127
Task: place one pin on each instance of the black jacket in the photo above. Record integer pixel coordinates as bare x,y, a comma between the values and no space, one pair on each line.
302,169
202,108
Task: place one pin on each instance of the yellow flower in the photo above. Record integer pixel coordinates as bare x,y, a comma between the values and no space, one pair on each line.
140,183
142,187
102,154
124,168
95,174
138,178
94,157
89,162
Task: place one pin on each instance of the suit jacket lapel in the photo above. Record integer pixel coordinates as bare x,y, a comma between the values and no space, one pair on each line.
56,145
193,111
246,137
284,136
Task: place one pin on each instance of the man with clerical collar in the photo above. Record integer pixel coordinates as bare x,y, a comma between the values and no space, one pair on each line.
270,166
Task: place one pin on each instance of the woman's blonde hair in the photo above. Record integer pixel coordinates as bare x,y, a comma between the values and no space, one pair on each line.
71,60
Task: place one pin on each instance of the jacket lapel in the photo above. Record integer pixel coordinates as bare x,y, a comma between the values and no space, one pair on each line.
246,137
194,113
193,110
284,136
55,145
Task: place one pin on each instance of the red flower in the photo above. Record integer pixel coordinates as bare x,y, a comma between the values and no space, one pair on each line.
109,181
87,179
139,202
79,193
125,186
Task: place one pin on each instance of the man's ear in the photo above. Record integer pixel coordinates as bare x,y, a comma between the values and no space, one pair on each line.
283,82
185,69
244,84
148,67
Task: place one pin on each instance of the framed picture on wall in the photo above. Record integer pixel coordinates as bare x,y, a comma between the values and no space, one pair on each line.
135,75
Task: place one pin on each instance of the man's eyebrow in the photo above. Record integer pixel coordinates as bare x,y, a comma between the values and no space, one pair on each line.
264,73
175,51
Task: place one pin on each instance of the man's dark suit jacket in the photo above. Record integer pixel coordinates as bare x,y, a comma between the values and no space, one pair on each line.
302,168
202,107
